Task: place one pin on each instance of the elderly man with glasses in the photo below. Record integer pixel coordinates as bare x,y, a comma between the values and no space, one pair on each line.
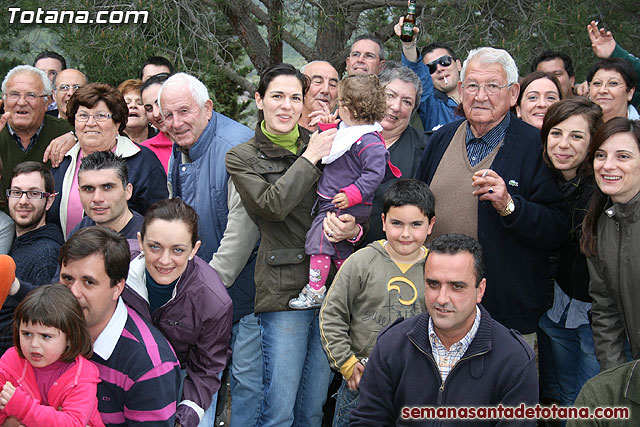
491,183
25,129
439,72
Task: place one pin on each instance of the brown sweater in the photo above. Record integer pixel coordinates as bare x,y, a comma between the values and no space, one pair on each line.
12,155
456,207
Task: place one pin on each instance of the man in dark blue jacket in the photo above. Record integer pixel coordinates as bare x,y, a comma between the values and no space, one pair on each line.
37,244
454,356
490,183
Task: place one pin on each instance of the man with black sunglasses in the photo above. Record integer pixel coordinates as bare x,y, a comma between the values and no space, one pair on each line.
439,72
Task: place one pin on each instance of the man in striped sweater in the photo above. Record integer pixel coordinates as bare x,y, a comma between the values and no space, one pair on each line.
138,368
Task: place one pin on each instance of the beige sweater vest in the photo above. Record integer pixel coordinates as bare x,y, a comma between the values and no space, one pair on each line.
456,207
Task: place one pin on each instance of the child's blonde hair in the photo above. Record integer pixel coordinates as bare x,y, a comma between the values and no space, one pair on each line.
55,306
364,97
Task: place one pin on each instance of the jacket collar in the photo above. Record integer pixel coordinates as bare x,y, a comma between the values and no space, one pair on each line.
207,137
271,150
481,343
628,212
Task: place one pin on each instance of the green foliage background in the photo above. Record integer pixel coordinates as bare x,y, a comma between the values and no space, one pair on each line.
224,42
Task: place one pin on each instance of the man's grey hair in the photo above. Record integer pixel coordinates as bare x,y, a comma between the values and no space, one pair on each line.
46,83
394,71
198,90
489,55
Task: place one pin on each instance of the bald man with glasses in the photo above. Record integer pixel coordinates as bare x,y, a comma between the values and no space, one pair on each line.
65,84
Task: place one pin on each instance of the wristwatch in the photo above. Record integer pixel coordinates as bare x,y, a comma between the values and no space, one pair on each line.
509,209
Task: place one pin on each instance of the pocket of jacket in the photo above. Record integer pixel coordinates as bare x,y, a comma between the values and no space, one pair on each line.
179,333
365,350
265,167
288,268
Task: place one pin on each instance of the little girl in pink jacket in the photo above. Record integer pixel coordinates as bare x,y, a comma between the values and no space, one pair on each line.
46,378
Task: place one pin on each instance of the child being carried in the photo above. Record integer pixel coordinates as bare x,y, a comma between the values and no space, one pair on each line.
357,165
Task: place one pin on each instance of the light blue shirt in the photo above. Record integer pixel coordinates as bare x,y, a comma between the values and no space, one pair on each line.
578,310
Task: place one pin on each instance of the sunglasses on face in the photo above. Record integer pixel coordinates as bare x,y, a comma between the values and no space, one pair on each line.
445,61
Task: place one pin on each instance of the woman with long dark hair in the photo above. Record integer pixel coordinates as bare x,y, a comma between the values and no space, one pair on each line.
611,241
567,356
276,174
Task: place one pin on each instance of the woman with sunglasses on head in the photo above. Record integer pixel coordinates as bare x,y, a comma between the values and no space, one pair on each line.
99,112
611,241
566,350
538,91
439,72
276,174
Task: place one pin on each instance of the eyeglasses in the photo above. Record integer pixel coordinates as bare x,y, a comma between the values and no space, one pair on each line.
490,88
29,96
31,194
367,55
98,117
445,61
609,85
65,88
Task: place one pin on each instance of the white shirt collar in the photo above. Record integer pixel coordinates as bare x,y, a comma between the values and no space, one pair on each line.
108,338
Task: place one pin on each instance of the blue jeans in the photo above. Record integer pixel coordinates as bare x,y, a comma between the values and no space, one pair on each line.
296,369
572,355
246,372
346,401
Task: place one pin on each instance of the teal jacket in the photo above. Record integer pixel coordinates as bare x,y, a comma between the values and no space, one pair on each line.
619,52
